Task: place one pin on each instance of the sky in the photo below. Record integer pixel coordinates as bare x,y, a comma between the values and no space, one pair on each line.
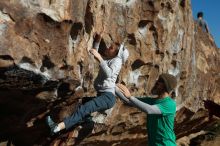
211,10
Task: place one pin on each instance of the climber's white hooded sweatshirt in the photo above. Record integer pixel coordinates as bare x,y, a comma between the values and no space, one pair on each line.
109,70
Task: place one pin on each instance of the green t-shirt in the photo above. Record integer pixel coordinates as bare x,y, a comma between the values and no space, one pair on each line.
160,127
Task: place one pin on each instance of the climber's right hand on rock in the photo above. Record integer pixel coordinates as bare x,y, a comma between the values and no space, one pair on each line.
96,41
97,38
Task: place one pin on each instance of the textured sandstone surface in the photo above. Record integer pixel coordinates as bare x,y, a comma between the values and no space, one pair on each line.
45,68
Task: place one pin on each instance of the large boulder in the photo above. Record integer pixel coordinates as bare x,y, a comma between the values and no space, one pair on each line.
45,68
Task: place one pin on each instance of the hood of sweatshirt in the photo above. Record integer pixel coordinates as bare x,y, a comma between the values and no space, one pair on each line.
123,53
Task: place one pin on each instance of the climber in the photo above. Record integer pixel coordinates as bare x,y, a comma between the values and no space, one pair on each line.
160,110
201,22
110,62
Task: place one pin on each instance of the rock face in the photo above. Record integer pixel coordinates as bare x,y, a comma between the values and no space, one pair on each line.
45,68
